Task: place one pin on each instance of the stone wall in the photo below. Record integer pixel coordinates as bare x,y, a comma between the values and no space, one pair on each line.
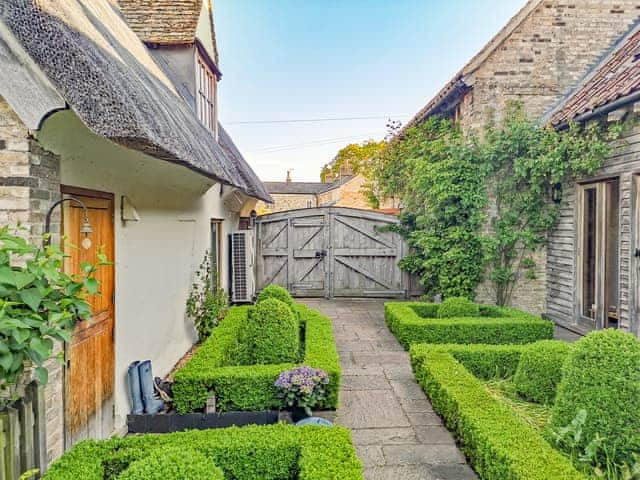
29,184
282,202
537,64
547,54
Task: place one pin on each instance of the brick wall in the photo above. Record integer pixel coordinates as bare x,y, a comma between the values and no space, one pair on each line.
537,64
29,184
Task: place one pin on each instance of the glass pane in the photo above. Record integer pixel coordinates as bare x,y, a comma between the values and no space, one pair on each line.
589,253
215,252
612,235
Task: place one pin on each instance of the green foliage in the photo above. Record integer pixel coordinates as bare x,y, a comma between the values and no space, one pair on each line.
525,163
207,303
602,376
434,170
250,453
458,307
351,160
220,367
505,326
174,464
483,361
277,292
498,443
271,334
540,370
445,180
39,304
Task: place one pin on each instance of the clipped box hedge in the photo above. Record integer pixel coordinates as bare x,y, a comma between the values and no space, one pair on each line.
499,444
215,369
273,452
417,322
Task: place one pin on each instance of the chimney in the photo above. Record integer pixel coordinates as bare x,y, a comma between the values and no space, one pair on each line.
288,176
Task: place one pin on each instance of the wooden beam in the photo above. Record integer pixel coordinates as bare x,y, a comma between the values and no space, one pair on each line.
364,272
365,252
372,236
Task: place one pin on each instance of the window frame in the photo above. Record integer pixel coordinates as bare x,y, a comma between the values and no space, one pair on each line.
215,250
205,93
604,251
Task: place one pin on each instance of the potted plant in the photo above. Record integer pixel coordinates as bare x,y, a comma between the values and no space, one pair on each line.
301,389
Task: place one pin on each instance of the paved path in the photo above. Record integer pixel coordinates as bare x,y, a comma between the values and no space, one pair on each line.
397,434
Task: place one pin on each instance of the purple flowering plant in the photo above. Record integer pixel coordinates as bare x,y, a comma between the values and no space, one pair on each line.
303,386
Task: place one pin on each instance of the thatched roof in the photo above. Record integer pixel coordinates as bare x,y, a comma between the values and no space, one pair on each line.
105,73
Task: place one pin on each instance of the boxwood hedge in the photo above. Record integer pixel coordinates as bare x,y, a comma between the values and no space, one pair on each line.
540,370
270,452
216,367
173,464
499,444
417,323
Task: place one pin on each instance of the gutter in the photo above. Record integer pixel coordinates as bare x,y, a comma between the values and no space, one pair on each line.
600,111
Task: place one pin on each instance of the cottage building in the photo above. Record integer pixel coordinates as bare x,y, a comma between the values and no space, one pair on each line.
348,191
593,256
542,52
114,104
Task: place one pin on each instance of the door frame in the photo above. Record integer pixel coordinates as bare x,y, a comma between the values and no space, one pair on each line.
98,194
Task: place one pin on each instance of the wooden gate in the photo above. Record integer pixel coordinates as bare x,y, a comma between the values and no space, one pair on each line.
89,372
331,252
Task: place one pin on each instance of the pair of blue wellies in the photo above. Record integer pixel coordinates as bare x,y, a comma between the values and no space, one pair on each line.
142,389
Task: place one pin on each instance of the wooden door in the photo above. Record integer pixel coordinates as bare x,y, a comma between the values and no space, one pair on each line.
330,252
365,255
293,248
89,372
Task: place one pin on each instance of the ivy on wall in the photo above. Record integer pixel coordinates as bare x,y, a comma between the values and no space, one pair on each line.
479,206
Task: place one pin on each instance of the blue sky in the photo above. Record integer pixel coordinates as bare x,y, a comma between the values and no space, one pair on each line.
316,59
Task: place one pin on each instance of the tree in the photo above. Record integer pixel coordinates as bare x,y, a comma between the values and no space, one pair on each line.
351,160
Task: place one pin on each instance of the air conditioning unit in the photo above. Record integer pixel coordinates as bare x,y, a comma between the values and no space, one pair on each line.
243,284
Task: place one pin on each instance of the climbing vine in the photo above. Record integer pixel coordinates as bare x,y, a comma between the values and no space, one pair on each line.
480,207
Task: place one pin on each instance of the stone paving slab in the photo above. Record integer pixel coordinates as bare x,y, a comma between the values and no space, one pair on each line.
397,434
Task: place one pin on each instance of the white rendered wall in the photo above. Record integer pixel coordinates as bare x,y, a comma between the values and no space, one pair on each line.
155,258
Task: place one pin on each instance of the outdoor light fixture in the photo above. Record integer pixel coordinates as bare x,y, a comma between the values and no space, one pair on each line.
556,193
252,219
84,229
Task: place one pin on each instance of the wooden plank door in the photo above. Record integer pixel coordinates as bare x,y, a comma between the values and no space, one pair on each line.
90,356
292,252
365,256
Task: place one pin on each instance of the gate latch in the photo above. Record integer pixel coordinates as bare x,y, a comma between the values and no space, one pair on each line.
321,253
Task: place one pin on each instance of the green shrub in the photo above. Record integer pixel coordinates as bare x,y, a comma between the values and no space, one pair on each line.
602,376
272,452
272,333
173,465
219,367
498,444
456,307
408,322
276,291
540,370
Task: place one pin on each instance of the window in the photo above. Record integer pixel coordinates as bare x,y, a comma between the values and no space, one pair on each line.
206,94
215,250
599,235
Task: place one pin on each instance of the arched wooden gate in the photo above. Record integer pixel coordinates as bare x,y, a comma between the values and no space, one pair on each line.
331,252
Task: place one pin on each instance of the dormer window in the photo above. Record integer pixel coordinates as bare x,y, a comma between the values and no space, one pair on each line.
206,94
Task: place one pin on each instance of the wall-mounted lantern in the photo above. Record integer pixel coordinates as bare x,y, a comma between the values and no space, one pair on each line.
252,219
84,229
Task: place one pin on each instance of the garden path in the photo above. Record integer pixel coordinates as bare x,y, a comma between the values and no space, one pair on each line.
397,434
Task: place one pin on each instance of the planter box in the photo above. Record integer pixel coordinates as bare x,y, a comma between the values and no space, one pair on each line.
177,422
